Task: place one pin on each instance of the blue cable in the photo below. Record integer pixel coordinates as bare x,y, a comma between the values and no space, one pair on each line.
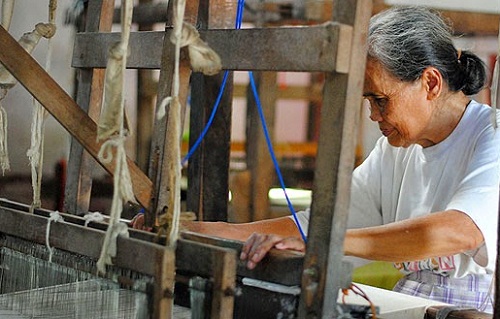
209,122
273,156
239,18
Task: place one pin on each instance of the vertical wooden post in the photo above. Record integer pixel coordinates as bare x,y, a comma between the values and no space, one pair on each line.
258,158
208,169
163,304
146,95
158,171
99,17
324,272
224,276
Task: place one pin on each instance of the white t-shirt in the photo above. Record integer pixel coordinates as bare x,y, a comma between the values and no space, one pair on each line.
462,173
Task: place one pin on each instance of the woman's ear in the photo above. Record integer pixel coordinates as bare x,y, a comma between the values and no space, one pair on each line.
432,81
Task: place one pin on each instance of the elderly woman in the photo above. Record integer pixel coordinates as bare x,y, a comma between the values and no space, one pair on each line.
426,198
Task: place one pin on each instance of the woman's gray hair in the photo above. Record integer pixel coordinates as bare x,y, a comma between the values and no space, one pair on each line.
407,40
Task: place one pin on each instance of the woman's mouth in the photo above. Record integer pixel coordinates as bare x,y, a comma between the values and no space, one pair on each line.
386,132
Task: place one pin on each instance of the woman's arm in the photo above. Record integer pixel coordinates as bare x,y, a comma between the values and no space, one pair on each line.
282,226
439,234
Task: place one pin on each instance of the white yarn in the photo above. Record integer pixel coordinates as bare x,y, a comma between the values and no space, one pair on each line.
93,217
162,109
174,129
35,152
7,11
54,217
121,173
109,248
4,152
111,119
202,57
110,124
28,41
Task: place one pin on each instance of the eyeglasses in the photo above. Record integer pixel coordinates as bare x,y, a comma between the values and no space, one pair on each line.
380,103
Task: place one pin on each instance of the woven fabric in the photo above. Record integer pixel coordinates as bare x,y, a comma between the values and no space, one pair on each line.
471,291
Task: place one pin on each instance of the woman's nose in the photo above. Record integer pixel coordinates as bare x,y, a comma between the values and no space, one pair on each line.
375,114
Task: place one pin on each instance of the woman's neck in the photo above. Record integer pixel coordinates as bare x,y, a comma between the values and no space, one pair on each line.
449,110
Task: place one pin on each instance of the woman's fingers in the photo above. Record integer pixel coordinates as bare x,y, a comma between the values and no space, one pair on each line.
291,243
258,245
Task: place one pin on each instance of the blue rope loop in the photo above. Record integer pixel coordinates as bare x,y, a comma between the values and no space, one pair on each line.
239,18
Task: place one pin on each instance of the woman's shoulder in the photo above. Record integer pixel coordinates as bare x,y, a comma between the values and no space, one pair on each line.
480,112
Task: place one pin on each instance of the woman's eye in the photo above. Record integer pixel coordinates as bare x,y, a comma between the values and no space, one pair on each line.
381,103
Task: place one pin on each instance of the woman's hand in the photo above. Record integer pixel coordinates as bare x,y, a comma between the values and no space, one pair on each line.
258,245
138,223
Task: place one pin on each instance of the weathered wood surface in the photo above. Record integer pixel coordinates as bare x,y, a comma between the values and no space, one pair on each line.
63,108
279,266
208,169
271,49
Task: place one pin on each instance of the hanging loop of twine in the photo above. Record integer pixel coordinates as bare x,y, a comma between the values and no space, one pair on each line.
109,248
54,217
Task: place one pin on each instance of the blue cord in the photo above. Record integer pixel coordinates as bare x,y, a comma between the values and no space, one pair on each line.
239,18
273,156
209,122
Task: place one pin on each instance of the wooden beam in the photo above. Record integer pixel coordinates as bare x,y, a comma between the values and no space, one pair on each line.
141,249
63,108
245,49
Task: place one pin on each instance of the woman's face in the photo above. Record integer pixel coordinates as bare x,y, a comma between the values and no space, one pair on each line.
401,109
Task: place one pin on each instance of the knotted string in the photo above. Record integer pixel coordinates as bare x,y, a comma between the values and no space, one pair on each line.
56,218
111,127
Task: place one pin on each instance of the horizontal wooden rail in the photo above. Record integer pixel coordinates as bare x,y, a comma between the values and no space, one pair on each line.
259,49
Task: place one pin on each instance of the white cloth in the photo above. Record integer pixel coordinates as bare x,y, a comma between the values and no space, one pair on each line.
462,173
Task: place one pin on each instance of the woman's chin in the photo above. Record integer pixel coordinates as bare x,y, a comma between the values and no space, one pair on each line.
396,140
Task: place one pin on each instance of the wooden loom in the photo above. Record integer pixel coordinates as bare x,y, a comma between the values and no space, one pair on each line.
334,48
